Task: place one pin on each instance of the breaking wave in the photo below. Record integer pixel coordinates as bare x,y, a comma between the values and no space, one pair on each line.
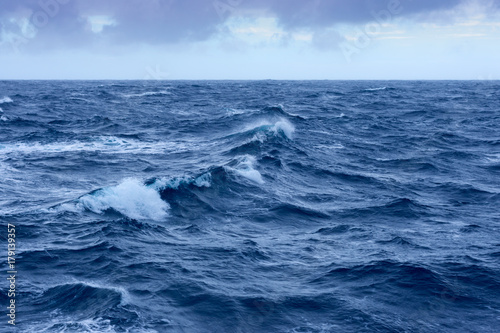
130,198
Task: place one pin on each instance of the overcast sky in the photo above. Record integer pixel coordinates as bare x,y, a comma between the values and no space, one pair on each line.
249,39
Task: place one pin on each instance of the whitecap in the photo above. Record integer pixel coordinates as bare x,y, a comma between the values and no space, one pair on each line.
280,126
131,198
234,112
173,183
106,145
495,158
6,99
245,168
148,93
376,89
285,127
329,147
205,180
61,324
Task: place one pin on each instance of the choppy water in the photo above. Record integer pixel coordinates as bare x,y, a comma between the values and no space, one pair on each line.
252,206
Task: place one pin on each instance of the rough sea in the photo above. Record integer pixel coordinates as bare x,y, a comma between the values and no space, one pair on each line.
251,206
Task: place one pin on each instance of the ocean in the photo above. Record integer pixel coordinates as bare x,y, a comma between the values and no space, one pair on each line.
250,206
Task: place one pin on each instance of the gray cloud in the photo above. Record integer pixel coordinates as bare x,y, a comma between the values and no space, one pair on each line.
170,21
322,13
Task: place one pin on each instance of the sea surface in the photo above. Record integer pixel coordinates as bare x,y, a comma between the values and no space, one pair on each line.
251,206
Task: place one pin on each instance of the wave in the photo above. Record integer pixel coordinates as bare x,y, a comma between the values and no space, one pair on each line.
285,127
6,99
281,126
376,89
245,168
79,294
234,112
250,139
279,110
81,307
333,146
204,180
152,199
104,144
148,93
64,325
130,198
404,276
339,229
401,208
284,210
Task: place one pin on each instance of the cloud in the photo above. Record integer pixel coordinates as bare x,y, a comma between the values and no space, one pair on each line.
73,22
324,13
77,23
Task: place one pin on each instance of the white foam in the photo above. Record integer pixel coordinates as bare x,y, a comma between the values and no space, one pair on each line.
234,112
131,198
125,297
61,324
94,325
204,180
4,118
495,158
245,168
173,183
284,126
148,93
107,145
376,89
66,325
329,147
6,99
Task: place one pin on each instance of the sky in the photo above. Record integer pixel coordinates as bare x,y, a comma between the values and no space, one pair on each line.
250,39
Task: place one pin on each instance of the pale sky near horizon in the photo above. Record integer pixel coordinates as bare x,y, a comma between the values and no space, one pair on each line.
250,39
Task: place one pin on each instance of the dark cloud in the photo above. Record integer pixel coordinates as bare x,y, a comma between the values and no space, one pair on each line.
64,22
145,21
323,13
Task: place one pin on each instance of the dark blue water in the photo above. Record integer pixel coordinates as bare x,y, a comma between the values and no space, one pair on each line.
252,206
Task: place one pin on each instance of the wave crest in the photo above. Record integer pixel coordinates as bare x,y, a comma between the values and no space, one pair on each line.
148,93
6,99
204,180
282,126
245,167
130,198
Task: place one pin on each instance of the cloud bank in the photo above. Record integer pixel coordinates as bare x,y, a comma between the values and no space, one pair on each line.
75,23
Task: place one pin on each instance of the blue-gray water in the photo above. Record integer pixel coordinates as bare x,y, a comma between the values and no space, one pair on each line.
252,206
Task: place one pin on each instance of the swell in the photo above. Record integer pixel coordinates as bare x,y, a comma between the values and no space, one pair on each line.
403,208
155,198
416,281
